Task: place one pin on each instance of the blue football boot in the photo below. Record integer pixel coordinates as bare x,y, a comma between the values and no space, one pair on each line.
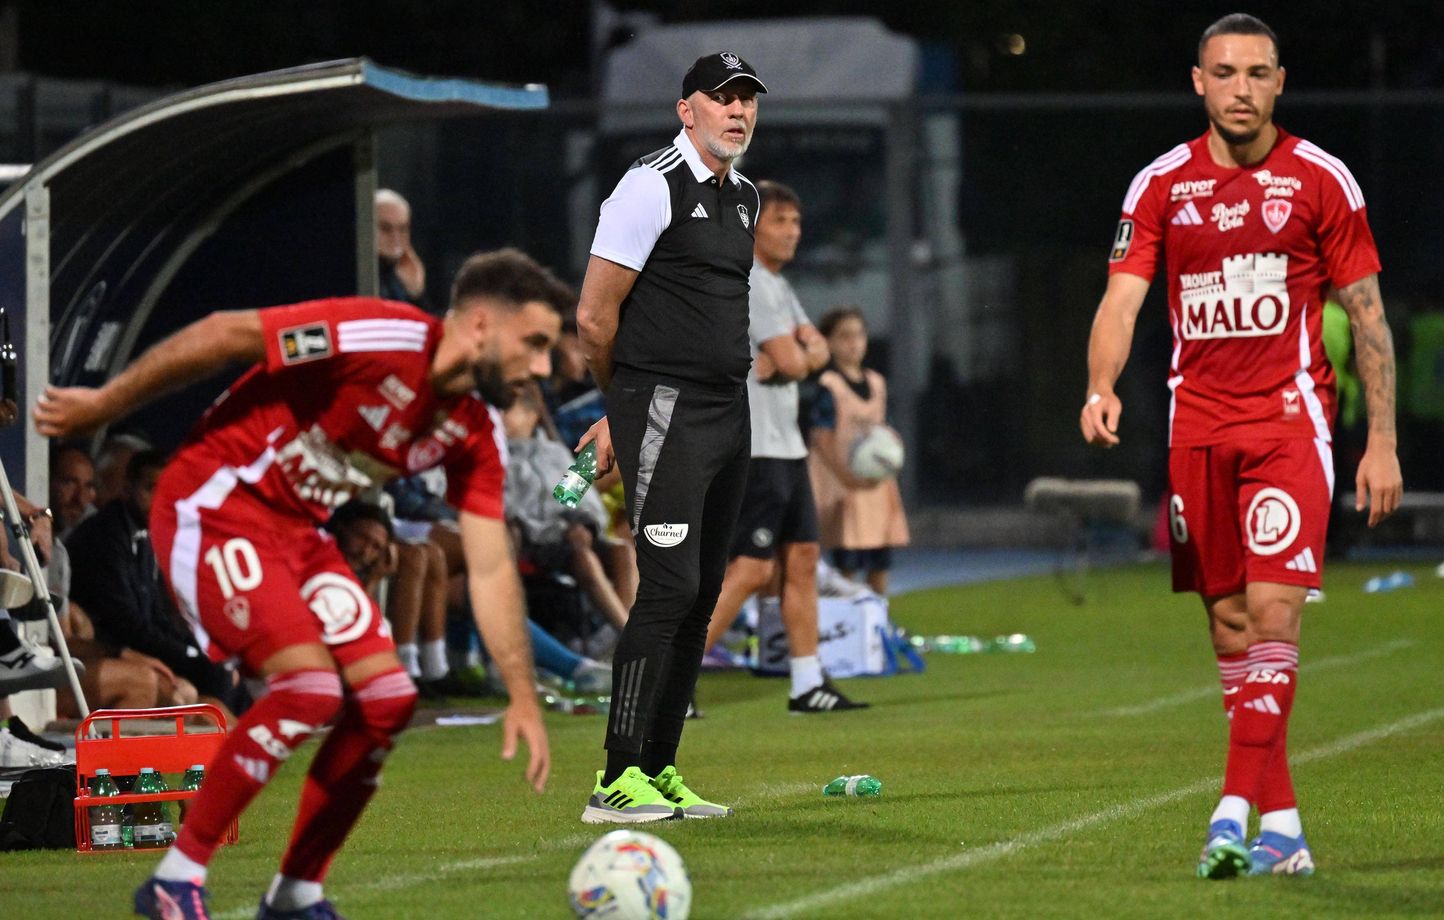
159,899
1224,854
321,910
1274,854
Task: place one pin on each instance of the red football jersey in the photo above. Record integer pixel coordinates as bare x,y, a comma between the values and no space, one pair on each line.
1251,255
342,404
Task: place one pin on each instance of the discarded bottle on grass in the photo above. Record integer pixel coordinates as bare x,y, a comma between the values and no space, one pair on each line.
578,478
153,828
191,782
1380,584
861,786
105,819
968,645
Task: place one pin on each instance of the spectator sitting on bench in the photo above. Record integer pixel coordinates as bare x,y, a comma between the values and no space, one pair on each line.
116,581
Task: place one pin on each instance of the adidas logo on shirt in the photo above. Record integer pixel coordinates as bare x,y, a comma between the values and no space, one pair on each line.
1303,562
1265,703
1187,216
699,211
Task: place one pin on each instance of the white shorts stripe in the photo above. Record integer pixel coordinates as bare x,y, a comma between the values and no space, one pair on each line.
185,553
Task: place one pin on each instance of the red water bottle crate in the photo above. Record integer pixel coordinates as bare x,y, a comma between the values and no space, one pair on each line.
101,741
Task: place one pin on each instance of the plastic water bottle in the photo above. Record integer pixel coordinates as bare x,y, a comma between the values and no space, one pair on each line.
578,478
862,786
1013,642
152,819
105,819
191,782
1380,584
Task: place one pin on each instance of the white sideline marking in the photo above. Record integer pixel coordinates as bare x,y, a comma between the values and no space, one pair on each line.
1002,848
1308,667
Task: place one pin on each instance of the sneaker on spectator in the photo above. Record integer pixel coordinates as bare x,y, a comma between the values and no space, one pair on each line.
15,589
592,676
22,731
17,753
23,669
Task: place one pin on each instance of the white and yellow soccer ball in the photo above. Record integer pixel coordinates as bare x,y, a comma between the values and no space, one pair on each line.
878,453
629,875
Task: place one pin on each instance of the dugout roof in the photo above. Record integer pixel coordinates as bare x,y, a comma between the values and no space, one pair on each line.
92,235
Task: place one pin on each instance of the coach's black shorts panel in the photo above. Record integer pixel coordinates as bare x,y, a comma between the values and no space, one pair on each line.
777,508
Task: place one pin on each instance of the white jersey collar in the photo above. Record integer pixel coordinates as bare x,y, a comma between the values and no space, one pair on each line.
694,159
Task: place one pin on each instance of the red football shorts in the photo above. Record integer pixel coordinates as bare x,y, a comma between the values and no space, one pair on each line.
1249,512
252,581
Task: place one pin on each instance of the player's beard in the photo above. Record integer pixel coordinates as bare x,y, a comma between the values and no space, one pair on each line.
493,385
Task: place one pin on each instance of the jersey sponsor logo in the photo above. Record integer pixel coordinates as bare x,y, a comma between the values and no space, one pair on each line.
699,211
395,392
1229,216
1248,298
1122,239
1277,186
665,535
305,343
340,605
320,471
375,416
1272,521
394,437
1292,402
742,213
1187,216
1275,213
1192,188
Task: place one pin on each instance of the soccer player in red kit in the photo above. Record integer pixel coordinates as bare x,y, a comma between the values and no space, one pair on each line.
1258,225
345,394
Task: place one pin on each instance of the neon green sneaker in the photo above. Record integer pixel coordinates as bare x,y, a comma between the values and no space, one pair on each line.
631,799
669,784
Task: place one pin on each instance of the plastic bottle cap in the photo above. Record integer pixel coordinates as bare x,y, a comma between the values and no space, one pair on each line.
198,766
147,769
102,771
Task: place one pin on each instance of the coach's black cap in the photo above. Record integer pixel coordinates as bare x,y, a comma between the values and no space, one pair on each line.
712,71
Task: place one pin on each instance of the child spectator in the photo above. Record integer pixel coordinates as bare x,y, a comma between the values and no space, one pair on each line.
861,520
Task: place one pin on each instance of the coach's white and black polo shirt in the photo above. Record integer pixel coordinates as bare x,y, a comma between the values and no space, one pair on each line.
690,236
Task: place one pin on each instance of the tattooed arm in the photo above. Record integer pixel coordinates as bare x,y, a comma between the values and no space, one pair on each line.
1379,481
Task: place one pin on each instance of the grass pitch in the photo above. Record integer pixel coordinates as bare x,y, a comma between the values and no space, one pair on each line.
1074,782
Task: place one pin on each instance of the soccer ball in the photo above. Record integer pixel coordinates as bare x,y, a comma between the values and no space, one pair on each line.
876,454
629,875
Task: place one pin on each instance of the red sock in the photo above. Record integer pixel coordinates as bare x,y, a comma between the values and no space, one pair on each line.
299,702
346,772
1232,669
1260,717
1277,791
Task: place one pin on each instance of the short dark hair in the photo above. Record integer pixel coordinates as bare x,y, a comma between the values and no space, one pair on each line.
357,510
834,317
508,276
140,462
1238,24
769,192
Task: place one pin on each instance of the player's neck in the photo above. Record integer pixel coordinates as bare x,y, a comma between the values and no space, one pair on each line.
1232,156
772,265
850,371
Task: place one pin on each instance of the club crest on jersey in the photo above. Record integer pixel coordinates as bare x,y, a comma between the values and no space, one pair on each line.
665,535
742,213
1122,239
305,343
1292,403
1276,213
424,455
1272,521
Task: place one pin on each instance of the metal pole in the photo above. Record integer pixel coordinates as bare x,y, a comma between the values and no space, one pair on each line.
42,588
